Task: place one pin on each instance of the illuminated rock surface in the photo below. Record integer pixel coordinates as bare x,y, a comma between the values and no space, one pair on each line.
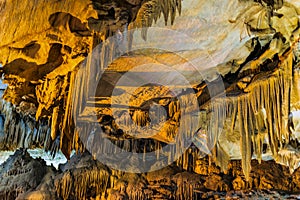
53,53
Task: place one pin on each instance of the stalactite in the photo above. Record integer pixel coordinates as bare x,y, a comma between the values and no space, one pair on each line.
140,118
64,186
258,117
222,158
54,122
262,111
186,185
243,115
151,11
74,184
259,135
20,131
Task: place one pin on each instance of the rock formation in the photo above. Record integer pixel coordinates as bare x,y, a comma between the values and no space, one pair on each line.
150,78
85,178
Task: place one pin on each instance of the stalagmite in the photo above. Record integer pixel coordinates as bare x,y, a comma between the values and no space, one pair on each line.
76,182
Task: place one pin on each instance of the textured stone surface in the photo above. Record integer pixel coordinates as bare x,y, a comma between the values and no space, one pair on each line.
20,173
249,46
84,178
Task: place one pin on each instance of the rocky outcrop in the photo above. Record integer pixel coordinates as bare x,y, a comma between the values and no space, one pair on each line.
22,174
23,177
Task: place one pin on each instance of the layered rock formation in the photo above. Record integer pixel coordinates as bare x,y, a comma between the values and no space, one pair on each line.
75,69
